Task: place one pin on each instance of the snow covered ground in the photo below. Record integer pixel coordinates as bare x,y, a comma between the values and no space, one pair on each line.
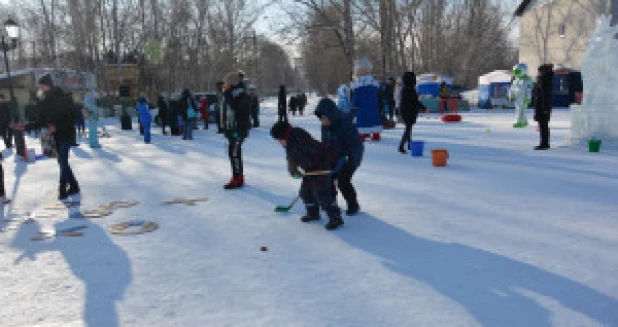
502,236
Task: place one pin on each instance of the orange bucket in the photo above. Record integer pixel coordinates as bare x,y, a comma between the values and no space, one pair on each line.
438,157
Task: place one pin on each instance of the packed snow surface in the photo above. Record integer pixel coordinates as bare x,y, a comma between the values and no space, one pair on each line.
501,236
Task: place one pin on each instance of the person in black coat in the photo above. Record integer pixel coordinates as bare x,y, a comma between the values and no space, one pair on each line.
293,104
189,122
56,114
409,107
5,122
31,112
542,103
237,122
281,104
310,155
339,134
302,103
163,113
389,98
255,105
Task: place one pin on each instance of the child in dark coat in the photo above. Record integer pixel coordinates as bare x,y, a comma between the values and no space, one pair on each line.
305,152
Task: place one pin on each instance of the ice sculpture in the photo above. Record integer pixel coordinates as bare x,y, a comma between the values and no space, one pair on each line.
598,115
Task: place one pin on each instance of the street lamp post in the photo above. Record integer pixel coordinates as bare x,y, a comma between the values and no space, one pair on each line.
11,29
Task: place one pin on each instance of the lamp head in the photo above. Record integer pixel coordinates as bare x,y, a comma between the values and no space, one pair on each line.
12,29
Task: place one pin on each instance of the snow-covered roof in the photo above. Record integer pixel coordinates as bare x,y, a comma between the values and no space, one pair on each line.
64,77
17,73
526,5
497,76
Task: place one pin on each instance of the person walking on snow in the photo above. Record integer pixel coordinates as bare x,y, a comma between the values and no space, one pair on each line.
56,113
409,106
163,113
255,105
188,111
305,152
204,111
144,117
542,103
340,135
5,122
281,104
236,125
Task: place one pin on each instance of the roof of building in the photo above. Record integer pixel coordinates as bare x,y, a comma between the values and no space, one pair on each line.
526,5
497,76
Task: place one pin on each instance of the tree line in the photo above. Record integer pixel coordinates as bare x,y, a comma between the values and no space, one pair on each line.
193,43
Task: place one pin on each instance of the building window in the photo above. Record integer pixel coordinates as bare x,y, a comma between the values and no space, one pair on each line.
561,30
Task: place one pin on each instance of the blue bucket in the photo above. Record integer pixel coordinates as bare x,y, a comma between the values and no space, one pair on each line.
416,148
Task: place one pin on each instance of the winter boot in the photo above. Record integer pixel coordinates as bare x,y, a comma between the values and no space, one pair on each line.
542,147
62,192
353,208
73,188
235,182
313,214
401,149
334,222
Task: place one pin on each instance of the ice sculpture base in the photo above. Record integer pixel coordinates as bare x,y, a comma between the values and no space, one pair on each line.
594,120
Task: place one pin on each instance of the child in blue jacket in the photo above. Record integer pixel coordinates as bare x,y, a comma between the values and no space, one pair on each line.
144,117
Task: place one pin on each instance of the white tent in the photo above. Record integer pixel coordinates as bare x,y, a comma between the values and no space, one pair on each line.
497,76
493,89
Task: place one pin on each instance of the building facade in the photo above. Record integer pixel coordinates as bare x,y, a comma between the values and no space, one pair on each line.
557,31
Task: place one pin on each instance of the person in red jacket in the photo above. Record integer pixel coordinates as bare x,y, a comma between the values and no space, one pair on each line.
204,111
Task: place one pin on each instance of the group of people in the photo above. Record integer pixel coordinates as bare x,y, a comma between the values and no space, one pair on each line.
56,114
237,111
372,105
296,103
182,114
335,159
325,166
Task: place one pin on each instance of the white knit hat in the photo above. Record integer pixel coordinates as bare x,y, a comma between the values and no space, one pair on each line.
362,66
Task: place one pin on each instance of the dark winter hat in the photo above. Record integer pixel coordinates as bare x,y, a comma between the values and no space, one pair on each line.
280,130
546,68
324,107
232,78
409,78
46,80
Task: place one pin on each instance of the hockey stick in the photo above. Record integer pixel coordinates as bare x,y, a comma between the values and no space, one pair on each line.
48,235
317,173
286,209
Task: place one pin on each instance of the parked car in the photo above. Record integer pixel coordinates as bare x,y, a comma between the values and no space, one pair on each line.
213,101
